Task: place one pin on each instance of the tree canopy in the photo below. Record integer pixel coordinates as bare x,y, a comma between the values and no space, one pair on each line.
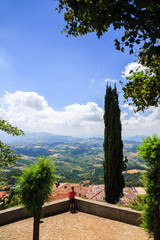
7,156
140,20
36,184
149,150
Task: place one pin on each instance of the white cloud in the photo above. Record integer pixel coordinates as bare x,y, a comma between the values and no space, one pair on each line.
27,100
110,80
138,124
92,81
123,115
131,108
134,66
31,112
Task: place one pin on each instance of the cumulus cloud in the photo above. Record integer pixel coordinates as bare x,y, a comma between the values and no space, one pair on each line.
31,112
139,124
134,66
29,100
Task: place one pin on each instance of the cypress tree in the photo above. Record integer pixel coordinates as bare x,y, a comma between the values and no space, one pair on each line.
113,164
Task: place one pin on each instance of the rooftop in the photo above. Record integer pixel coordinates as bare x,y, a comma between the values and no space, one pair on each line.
62,191
94,192
78,226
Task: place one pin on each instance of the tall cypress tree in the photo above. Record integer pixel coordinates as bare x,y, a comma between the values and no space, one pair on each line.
113,164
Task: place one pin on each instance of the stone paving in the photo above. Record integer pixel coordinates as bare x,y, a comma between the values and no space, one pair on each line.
77,226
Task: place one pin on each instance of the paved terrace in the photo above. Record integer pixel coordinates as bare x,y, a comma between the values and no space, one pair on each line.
77,226
92,221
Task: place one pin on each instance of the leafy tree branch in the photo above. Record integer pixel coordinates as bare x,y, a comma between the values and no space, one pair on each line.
7,156
140,21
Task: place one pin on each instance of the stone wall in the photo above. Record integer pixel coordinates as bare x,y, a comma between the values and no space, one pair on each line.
107,210
11,215
17,213
88,206
1,205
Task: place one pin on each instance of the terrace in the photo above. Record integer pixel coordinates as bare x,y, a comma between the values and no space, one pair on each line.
93,220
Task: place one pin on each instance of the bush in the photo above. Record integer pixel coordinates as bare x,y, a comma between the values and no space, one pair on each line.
138,203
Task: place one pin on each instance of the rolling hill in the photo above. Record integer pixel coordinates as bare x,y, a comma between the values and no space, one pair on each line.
75,159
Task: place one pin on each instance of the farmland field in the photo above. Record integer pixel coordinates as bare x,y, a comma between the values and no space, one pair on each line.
75,160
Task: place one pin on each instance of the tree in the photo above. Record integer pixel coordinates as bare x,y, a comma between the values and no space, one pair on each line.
113,164
140,21
150,152
143,88
7,156
36,184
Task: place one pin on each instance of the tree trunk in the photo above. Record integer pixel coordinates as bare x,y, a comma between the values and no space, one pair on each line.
36,227
156,222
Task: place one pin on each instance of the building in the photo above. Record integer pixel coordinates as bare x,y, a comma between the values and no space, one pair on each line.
94,192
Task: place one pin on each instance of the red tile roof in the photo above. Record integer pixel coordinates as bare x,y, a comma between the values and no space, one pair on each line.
4,195
62,191
94,192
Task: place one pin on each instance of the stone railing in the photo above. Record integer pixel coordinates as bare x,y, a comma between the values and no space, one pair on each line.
107,210
101,209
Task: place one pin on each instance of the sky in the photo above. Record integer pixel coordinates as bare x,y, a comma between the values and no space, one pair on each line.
51,83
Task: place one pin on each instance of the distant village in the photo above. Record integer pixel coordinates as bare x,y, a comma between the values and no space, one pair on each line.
92,192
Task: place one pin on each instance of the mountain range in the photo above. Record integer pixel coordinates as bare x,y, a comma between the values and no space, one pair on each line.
46,138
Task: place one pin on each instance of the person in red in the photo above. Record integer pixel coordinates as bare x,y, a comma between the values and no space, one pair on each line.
72,195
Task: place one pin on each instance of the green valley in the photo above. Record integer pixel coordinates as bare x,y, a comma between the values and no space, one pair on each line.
76,160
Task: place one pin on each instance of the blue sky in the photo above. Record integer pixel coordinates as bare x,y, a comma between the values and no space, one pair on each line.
57,84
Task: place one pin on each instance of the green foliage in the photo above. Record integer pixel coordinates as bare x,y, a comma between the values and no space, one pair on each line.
139,21
150,152
133,180
7,156
8,128
36,184
148,210
143,88
97,177
138,203
33,151
113,164
86,163
12,175
14,200
85,197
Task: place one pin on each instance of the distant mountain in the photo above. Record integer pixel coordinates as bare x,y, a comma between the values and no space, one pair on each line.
49,138
137,138
36,138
